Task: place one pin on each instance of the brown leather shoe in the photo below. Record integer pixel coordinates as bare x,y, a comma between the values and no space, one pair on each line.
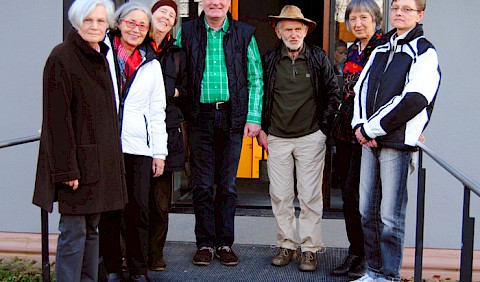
226,256
203,256
158,264
308,262
284,257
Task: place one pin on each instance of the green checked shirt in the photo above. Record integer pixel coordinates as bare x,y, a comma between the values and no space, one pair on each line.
215,80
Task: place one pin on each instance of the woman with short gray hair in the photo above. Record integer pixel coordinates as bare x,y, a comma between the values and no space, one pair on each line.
363,18
144,139
80,162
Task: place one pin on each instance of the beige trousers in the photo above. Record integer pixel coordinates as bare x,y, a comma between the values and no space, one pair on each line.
307,155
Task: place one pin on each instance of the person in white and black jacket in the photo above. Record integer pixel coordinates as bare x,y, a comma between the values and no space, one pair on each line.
393,104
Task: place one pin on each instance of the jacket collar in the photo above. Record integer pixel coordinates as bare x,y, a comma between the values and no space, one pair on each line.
75,38
416,32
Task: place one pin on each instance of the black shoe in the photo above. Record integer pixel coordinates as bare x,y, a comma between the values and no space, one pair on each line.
158,264
358,270
139,278
350,262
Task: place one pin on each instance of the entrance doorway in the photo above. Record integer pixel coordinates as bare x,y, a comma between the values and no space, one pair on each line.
252,184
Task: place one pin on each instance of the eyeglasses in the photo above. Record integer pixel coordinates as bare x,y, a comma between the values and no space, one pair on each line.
90,22
404,10
132,25
362,18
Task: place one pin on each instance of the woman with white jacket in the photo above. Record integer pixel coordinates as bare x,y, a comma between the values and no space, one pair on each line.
141,105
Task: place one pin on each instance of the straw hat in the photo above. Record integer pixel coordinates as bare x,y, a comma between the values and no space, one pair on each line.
291,12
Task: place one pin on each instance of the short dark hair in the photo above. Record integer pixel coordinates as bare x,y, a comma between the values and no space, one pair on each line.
340,43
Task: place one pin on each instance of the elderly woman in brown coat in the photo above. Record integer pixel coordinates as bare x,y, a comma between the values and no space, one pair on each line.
80,162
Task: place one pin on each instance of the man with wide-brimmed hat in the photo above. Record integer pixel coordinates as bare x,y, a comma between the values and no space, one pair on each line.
300,98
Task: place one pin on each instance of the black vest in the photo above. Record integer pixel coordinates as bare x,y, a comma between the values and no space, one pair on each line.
235,46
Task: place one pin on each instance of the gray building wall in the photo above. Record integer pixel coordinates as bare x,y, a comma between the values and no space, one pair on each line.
32,29
453,131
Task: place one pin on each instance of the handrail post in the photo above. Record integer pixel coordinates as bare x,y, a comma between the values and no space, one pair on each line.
45,248
420,219
468,228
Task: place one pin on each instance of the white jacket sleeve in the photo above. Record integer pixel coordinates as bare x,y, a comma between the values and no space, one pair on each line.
157,113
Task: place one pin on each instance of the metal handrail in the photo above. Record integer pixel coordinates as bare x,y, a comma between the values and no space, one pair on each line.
18,141
43,213
467,181
468,223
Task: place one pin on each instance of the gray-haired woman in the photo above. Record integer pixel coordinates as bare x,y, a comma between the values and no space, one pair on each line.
80,162
144,139
363,18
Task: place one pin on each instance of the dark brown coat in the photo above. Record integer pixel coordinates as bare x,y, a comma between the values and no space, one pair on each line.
80,133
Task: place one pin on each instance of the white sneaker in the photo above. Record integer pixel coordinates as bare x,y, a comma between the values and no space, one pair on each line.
365,278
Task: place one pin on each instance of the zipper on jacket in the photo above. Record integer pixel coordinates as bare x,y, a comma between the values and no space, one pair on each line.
294,70
126,89
146,130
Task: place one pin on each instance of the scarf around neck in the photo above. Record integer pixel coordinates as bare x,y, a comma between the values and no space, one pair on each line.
128,64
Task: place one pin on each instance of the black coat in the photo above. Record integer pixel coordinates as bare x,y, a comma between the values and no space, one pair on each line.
174,76
80,133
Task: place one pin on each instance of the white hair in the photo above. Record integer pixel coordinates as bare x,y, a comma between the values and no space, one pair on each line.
80,9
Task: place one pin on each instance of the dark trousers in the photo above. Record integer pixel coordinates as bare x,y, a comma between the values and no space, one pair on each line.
110,240
138,173
215,153
160,195
352,155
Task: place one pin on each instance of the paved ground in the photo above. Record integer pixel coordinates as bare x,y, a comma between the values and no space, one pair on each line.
254,265
254,237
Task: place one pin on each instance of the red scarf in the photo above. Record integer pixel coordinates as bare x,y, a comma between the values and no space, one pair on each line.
131,62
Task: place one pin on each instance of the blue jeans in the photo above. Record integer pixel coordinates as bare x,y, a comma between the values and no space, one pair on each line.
77,248
383,203
215,156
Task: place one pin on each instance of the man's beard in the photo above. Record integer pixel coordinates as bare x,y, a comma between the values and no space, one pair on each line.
293,47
